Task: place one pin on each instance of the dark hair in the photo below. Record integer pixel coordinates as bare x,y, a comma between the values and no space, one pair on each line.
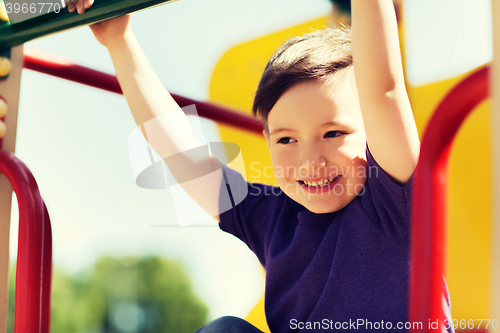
316,55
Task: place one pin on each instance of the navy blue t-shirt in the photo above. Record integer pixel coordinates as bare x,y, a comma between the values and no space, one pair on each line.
346,270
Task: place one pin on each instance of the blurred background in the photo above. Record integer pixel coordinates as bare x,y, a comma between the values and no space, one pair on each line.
122,261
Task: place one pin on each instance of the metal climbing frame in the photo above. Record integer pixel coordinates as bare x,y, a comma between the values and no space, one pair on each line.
429,197
34,254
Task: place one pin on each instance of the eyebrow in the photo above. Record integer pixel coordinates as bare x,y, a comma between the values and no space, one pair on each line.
284,129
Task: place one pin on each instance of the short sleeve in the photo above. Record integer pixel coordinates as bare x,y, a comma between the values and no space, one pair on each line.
387,203
251,220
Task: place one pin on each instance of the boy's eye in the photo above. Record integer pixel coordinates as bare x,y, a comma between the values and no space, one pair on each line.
285,140
333,134
330,134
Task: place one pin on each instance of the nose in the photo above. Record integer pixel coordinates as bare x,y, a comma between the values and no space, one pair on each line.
312,161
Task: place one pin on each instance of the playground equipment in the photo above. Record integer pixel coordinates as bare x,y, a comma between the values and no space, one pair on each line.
428,251
34,258
41,23
429,196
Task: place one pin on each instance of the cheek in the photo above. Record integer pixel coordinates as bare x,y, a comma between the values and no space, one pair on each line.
283,164
352,160
359,171
353,151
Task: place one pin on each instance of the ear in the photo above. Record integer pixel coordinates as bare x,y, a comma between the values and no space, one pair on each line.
267,137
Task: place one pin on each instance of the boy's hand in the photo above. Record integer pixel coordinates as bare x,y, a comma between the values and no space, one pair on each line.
112,31
79,5
107,32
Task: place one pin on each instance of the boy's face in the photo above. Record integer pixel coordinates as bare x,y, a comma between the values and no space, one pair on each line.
316,134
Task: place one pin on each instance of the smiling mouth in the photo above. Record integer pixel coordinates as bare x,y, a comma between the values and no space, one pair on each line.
321,183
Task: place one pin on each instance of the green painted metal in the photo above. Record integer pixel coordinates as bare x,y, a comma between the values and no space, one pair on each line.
19,33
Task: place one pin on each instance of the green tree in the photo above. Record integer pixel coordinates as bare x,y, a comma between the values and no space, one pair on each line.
123,295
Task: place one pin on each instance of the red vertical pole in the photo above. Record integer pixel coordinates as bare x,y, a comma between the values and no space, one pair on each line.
33,274
46,271
429,198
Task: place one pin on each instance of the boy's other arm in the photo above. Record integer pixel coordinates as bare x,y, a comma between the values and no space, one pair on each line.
148,99
389,125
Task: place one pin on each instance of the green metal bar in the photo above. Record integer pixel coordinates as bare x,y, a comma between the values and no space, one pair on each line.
19,33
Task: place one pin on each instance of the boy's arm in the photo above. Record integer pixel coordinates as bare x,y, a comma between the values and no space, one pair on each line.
148,99
390,128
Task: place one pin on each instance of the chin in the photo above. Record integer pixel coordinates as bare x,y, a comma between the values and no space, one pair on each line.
323,209
329,206
314,204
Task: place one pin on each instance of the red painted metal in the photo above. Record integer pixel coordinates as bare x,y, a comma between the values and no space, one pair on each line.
34,266
52,65
46,272
429,197
2,119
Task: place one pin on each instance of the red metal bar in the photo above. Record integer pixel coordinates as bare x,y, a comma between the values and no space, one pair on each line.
46,271
2,119
34,251
59,67
429,197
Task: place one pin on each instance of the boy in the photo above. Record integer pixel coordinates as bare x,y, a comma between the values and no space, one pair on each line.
344,146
